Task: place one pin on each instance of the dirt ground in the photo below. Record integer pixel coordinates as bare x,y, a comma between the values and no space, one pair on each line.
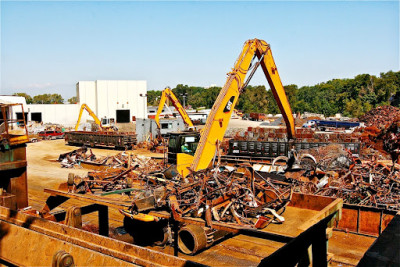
45,172
239,123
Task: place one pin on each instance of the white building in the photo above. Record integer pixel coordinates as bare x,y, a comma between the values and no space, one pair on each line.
118,100
194,115
64,114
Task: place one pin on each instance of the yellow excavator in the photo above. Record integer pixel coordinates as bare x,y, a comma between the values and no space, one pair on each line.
91,113
168,94
255,52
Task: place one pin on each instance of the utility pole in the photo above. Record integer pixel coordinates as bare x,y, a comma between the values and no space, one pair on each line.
184,99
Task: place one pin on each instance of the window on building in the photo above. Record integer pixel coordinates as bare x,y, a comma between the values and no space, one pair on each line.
123,116
166,125
36,116
20,116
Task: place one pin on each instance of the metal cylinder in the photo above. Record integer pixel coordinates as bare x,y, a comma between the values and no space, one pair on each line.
191,239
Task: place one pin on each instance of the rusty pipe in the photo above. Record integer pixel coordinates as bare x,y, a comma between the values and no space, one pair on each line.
193,238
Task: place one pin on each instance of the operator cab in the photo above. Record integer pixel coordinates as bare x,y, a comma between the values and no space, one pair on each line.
105,121
182,142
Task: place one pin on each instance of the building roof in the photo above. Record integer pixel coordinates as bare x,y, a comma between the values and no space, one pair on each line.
11,99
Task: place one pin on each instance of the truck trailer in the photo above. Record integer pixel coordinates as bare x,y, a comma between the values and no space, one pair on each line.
324,124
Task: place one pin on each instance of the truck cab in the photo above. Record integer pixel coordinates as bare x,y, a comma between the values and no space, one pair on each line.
310,124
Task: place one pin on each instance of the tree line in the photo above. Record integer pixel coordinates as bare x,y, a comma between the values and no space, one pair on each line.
351,97
46,99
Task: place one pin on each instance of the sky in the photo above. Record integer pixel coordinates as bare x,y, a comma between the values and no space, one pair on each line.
48,46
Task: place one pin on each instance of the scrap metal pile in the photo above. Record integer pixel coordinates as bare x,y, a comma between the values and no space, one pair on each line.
369,184
372,179
381,117
304,134
383,130
338,174
223,194
85,157
244,197
73,158
230,195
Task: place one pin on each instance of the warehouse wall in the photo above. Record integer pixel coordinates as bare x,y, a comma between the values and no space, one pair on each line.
65,114
105,97
86,93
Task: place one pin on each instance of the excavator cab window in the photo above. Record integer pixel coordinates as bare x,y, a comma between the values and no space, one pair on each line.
189,144
105,121
172,144
182,143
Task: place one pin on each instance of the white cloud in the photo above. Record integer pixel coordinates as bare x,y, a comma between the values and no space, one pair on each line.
39,85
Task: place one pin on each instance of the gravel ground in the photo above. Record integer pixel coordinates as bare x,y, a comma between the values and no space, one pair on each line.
236,125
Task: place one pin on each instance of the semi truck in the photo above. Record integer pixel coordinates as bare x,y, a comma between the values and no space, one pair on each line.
324,124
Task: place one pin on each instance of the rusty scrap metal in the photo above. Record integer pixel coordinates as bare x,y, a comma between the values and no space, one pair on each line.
224,194
368,183
383,131
338,173
125,159
380,117
70,159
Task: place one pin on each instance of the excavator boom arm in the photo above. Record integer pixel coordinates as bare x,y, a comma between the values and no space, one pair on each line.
168,94
274,80
218,119
91,113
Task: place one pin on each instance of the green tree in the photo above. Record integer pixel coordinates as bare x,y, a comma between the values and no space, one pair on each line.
184,91
208,96
352,97
196,100
254,99
28,98
153,97
73,100
48,99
